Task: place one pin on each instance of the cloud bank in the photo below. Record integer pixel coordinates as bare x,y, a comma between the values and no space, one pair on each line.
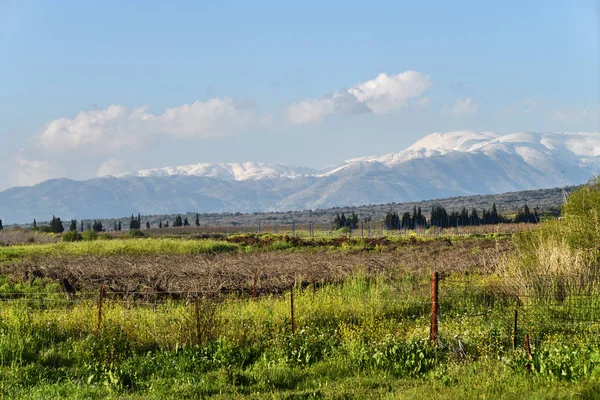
382,95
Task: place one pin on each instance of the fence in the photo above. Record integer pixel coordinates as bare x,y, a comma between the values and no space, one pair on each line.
518,320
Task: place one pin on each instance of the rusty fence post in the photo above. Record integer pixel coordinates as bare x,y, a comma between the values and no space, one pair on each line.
433,331
292,309
197,315
100,301
528,352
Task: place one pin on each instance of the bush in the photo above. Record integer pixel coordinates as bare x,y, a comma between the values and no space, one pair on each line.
560,256
105,236
72,236
90,235
135,233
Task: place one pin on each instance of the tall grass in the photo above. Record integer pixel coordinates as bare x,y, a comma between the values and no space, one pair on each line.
561,256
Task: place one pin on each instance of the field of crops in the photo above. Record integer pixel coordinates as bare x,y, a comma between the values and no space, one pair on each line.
275,316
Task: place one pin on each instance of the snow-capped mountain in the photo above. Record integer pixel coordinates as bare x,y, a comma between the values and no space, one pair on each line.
439,165
233,171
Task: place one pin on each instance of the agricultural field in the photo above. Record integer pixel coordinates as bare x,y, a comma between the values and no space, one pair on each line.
509,314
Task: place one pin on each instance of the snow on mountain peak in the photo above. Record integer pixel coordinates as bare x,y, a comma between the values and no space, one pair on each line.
540,151
571,145
227,171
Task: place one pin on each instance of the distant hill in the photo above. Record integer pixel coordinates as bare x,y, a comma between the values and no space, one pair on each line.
547,201
441,165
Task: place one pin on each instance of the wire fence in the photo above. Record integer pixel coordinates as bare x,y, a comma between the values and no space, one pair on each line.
524,319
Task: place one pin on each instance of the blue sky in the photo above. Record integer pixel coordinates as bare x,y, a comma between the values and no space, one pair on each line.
85,86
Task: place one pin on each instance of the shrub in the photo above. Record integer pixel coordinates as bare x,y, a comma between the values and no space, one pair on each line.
135,233
89,235
72,236
105,236
560,256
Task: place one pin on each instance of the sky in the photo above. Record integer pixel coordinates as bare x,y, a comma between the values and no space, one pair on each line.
95,88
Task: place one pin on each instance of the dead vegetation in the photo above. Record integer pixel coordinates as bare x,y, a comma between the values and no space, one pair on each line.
258,272
17,236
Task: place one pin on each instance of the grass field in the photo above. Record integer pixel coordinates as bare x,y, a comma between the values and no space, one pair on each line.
194,318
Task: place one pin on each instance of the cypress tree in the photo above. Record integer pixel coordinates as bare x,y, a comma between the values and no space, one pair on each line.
185,222
34,223
1,227
197,220
159,224
494,214
119,227
72,226
147,224
134,222
56,225
337,222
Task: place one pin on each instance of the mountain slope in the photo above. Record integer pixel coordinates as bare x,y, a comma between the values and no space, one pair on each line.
439,165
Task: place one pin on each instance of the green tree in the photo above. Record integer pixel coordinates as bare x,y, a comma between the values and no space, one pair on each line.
134,223
119,227
97,226
159,224
1,227
56,225
34,224
73,225
147,224
178,221
494,218
197,220
185,222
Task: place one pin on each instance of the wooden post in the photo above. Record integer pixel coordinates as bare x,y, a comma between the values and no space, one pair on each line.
528,352
197,315
433,332
292,309
515,329
100,301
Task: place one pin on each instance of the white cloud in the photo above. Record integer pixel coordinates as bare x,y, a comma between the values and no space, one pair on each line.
98,141
387,93
111,166
117,127
461,107
381,95
30,172
309,111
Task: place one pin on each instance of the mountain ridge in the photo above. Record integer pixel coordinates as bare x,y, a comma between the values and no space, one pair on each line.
459,163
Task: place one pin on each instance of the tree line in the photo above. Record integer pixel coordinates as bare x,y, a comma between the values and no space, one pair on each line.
56,225
440,217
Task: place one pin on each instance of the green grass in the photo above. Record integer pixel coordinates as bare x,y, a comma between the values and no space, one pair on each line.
173,246
120,246
365,338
